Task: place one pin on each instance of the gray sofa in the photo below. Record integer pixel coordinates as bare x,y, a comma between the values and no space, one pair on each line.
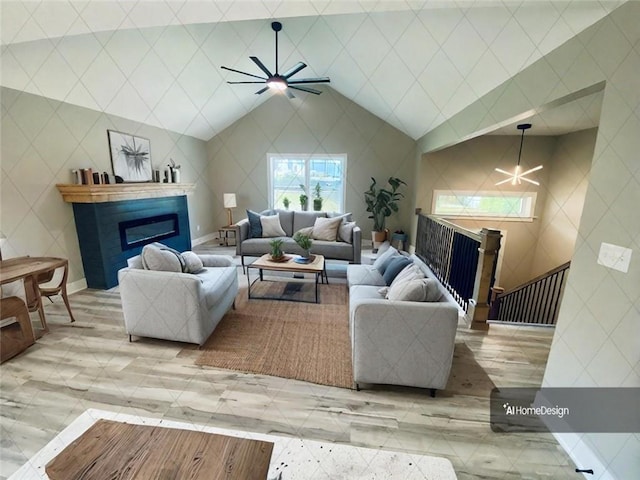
182,307
400,342
291,222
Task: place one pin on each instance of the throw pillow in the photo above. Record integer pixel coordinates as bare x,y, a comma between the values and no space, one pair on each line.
394,268
326,229
410,272
193,263
305,231
156,256
255,226
345,231
381,262
411,291
271,226
433,290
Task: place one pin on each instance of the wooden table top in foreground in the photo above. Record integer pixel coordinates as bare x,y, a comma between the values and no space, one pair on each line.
120,450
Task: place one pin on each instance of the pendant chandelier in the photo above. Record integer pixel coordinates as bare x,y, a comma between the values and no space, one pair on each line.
518,175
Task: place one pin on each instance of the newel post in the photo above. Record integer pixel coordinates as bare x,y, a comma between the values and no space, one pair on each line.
489,246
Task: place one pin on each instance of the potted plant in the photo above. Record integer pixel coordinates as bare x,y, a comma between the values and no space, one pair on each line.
304,198
317,201
304,242
286,203
381,203
276,249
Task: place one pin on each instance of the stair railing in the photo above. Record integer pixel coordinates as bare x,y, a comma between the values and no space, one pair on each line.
535,302
463,261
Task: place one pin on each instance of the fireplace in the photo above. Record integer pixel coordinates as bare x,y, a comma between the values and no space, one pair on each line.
110,232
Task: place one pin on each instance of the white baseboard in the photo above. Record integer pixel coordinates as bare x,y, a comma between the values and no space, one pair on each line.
73,287
204,238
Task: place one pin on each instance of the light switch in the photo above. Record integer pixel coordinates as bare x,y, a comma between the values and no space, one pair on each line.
614,256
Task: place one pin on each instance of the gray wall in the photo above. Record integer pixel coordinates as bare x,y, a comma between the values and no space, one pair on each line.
326,123
43,140
568,172
597,339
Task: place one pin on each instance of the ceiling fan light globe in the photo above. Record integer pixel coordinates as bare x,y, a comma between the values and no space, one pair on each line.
277,84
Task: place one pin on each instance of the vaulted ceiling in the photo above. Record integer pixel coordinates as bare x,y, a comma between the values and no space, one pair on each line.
413,64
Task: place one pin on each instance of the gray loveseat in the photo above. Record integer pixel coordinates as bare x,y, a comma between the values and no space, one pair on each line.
291,222
400,342
176,306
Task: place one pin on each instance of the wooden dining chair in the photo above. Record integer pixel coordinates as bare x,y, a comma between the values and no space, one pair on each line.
16,331
54,283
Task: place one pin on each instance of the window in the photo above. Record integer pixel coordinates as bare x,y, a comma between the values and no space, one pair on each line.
288,172
504,205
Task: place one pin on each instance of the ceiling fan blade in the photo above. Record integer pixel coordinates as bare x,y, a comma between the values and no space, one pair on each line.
289,94
243,73
295,69
261,66
306,89
236,83
262,90
309,80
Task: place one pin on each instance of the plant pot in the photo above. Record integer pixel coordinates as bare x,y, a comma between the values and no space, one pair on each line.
317,204
378,239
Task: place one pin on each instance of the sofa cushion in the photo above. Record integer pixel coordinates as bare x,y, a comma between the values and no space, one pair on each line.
215,283
304,231
345,232
159,257
305,219
383,259
346,217
271,226
192,262
286,221
364,292
396,265
364,275
255,225
326,229
333,250
258,246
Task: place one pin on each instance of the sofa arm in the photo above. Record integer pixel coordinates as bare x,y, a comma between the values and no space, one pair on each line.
242,233
402,343
357,244
216,260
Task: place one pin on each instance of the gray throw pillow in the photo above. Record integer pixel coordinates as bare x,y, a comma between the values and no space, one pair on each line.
326,229
416,290
394,268
193,263
161,258
383,259
345,231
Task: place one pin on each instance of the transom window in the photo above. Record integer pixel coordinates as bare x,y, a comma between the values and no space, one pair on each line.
289,172
490,204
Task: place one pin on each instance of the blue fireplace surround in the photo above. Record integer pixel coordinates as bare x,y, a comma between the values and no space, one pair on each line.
111,232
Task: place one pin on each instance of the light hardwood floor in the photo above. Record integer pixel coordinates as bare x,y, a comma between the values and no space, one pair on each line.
91,364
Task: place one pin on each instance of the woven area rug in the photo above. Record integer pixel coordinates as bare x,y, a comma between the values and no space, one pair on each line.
301,341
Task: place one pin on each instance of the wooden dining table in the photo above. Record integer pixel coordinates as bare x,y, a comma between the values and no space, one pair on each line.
28,268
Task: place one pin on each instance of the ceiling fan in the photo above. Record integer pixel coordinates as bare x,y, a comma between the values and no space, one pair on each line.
277,81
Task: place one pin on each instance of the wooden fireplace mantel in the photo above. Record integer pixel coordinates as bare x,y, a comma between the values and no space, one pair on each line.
72,193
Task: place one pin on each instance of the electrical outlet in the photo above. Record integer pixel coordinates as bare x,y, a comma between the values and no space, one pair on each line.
614,256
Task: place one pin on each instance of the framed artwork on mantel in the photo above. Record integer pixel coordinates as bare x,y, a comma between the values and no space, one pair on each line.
130,156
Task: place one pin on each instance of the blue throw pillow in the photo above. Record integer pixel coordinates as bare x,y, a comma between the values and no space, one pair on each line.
396,265
255,226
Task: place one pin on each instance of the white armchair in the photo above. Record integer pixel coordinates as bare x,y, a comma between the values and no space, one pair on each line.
181,307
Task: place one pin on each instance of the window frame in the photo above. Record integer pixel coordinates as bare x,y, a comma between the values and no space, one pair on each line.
529,197
307,157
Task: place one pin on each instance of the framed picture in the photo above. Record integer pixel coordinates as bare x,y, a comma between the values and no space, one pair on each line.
130,156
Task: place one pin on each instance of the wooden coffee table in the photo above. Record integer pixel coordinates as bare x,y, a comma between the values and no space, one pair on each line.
122,450
315,267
